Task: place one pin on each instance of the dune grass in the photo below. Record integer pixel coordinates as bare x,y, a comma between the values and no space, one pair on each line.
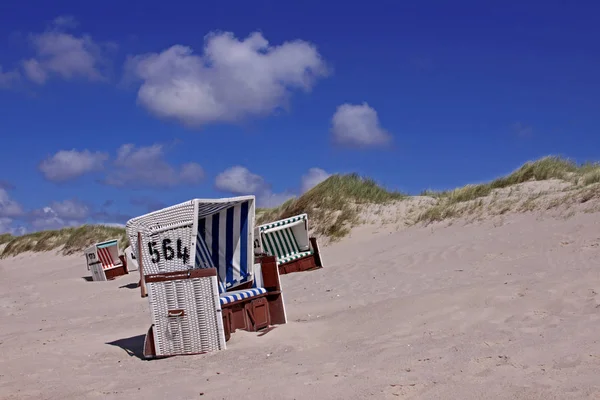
333,205
72,240
550,167
5,238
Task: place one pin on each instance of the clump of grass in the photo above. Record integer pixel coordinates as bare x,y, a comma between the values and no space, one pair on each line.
551,167
528,205
333,205
437,213
71,239
433,193
591,177
86,235
5,238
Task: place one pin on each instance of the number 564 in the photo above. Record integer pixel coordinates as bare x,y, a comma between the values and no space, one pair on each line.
167,252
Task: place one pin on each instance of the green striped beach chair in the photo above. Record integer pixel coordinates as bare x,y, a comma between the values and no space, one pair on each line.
288,240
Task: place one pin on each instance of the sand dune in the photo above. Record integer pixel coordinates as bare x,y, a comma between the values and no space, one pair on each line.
488,310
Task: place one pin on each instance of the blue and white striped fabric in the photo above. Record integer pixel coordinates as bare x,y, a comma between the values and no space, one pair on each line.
204,260
236,295
224,241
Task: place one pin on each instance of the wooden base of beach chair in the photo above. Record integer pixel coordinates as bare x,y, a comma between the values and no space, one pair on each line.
259,312
299,265
274,295
116,272
252,315
307,263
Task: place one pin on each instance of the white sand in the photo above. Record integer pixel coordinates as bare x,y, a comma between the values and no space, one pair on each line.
483,311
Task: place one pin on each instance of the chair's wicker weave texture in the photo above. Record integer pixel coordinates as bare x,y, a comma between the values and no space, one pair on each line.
199,330
169,233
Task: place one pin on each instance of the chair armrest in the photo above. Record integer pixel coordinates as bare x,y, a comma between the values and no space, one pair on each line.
171,276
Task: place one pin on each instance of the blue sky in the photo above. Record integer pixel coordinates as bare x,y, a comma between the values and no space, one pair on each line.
112,109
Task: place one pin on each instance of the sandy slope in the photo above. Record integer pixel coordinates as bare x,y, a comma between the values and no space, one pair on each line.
486,310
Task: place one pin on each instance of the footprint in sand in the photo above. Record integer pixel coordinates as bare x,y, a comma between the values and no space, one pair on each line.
592,246
483,366
570,361
405,391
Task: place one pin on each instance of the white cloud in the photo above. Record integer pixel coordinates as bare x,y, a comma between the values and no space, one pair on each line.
35,71
191,172
240,180
230,81
270,200
46,218
70,209
70,164
8,207
59,214
312,178
358,126
64,54
67,21
55,215
8,78
112,224
146,166
6,226
6,185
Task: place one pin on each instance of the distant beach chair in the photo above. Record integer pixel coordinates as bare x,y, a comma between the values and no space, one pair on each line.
202,278
288,240
132,264
104,261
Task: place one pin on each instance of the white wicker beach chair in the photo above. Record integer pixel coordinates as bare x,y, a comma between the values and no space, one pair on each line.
104,262
288,240
196,259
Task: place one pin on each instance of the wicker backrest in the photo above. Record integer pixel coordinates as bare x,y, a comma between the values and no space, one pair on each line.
167,237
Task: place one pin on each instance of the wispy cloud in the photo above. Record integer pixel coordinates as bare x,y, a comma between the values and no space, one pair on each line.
65,55
9,208
146,166
6,185
312,178
239,180
8,78
70,164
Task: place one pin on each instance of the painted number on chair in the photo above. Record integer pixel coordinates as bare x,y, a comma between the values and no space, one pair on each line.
167,252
